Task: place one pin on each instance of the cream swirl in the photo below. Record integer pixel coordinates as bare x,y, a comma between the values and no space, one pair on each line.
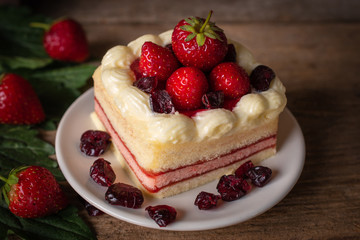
252,109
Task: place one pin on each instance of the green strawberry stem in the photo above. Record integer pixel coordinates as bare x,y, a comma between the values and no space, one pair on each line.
44,26
206,22
3,179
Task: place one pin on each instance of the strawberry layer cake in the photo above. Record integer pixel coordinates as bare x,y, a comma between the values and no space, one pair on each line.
186,143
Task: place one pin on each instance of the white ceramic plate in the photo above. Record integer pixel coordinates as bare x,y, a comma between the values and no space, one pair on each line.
286,165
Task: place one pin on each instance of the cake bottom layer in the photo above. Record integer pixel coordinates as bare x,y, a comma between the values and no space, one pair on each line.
174,181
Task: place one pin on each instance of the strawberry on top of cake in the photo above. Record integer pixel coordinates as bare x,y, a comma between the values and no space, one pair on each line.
187,106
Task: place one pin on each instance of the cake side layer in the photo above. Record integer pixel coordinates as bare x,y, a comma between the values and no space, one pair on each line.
155,182
160,157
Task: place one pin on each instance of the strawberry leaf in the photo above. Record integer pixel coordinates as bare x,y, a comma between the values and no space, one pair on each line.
61,226
20,145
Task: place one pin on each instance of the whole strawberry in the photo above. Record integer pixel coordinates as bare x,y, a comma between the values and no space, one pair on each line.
157,61
199,43
65,40
19,103
186,86
33,192
231,79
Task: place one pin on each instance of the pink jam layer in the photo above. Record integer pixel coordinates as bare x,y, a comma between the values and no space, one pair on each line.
154,182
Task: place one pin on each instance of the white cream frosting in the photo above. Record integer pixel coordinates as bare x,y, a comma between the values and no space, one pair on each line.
252,109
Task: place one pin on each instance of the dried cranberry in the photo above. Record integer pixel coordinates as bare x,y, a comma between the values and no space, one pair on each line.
169,46
146,84
94,143
160,102
259,175
231,54
136,69
261,77
92,211
242,170
205,200
213,100
102,173
162,214
124,195
231,187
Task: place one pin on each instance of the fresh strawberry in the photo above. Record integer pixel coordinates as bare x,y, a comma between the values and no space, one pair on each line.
65,40
186,86
199,43
157,61
19,104
231,79
33,192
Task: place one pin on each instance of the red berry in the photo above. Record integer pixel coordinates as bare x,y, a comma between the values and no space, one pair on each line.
259,175
261,77
33,192
162,214
231,54
231,187
94,142
205,200
102,173
213,100
124,195
135,67
243,169
19,103
146,84
160,102
186,86
157,61
66,41
199,43
231,79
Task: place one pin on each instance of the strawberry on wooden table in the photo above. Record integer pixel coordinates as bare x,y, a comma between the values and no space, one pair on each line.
32,192
199,43
157,61
65,40
19,104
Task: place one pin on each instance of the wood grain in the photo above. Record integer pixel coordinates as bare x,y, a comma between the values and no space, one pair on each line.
316,54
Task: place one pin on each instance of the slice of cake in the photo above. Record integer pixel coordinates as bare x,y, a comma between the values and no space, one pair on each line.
187,145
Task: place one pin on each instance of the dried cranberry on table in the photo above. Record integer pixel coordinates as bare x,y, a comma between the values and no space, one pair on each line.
124,195
102,173
259,175
205,200
162,214
92,210
94,142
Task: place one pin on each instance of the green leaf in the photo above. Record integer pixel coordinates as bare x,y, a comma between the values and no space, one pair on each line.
190,37
64,225
20,145
187,28
70,76
23,62
200,39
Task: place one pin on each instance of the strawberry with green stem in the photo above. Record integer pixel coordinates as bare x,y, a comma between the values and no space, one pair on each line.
32,192
199,43
65,40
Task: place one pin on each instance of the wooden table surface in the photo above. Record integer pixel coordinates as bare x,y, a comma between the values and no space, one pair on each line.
314,47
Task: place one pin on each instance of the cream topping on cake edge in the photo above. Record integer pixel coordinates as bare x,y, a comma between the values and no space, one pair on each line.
253,109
